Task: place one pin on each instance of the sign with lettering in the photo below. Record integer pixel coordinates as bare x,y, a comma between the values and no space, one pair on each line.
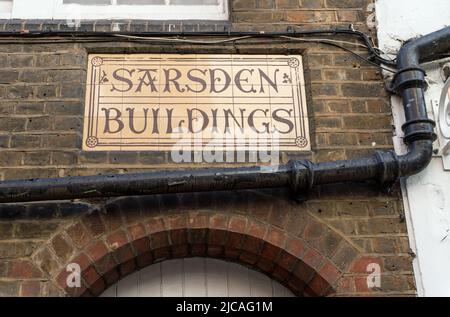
153,102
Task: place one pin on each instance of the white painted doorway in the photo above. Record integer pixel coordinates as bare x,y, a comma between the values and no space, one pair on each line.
197,277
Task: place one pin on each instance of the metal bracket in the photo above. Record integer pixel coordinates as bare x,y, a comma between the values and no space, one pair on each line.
301,188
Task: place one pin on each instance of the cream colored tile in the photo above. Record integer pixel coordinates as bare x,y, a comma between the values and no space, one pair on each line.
113,87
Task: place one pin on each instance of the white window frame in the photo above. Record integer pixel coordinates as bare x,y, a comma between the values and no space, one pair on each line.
55,9
5,9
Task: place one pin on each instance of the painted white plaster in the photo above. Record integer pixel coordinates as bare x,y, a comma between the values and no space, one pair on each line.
426,195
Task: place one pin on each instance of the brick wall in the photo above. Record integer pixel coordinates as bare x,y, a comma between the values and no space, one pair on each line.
321,247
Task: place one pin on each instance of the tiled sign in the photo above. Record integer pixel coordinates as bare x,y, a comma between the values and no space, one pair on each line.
154,102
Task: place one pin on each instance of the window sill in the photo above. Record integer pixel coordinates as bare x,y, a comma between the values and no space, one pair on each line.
135,26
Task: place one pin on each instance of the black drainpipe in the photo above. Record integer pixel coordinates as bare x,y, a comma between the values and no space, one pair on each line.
300,176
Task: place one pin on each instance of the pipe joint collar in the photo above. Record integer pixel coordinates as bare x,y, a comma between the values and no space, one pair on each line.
408,77
389,166
419,129
302,175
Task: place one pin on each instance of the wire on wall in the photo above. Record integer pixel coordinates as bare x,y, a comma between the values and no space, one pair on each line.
312,36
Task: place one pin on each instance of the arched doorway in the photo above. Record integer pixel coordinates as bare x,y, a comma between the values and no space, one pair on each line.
127,235
197,277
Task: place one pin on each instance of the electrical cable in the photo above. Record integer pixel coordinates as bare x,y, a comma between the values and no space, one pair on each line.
376,57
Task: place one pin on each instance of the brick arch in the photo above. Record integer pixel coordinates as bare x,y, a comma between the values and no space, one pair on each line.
128,234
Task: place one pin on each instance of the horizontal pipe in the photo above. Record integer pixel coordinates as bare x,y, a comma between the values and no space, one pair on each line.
175,181
225,33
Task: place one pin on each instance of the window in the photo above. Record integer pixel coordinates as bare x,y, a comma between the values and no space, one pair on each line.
5,9
115,9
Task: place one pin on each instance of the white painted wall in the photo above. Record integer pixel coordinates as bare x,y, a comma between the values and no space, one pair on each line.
197,277
426,195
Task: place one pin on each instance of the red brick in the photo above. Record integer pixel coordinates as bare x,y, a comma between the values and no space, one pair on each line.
346,285
361,264
90,275
313,258
286,261
218,221
319,286
234,240
276,237
117,239
281,274
86,293
62,282
179,251
98,287
295,247
265,265
215,251
237,224
141,246
296,285
248,258
137,231
97,250
361,285
161,254
270,252
304,272
252,244
159,240
61,279
178,236
144,259
217,237
30,289
127,268
198,220
197,236
231,253
176,221
330,273
155,225
82,260
123,254
105,264
23,270
198,250
111,277
257,229
78,292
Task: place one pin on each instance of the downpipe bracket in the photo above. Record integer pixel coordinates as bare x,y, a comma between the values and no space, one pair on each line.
302,179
